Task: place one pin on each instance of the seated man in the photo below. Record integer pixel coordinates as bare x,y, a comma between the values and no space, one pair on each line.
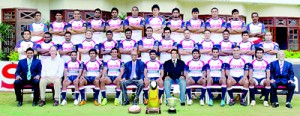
174,72
112,73
282,74
133,74
72,73
91,75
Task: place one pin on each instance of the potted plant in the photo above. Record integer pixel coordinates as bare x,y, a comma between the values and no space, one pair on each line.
5,33
292,56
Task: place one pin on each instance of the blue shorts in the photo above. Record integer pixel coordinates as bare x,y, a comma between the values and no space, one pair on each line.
72,78
259,81
216,80
196,79
112,78
90,79
237,79
153,78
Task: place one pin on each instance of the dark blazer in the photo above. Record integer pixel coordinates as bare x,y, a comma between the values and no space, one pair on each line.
22,68
287,72
174,72
139,70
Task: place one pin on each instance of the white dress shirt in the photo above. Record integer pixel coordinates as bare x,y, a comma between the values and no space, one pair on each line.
53,67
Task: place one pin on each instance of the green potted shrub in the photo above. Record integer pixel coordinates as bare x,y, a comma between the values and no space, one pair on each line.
292,56
13,56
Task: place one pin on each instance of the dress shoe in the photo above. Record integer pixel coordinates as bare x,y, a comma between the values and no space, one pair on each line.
275,105
20,104
34,103
182,104
126,102
42,103
55,103
288,105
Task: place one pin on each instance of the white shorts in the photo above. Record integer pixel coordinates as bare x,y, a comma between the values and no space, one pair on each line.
235,38
164,57
216,37
77,38
197,37
157,36
177,37
125,57
98,37
137,35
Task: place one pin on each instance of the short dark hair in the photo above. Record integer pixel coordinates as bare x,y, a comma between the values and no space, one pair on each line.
174,9
114,48
128,30
48,33
236,46
226,31
77,10
186,30
245,32
214,8
234,10
97,9
152,51
115,8
254,13
215,48
259,49
68,32
135,7
74,52
29,49
195,50
37,12
109,31
58,12
93,50
207,30
174,50
149,28
195,10
25,31
167,28
155,6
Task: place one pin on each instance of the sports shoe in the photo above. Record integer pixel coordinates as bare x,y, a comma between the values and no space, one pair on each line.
253,102
243,102
82,103
116,102
104,102
231,102
190,102
202,102
211,102
145,102
266,104
76,102
64,102
96,103
222,103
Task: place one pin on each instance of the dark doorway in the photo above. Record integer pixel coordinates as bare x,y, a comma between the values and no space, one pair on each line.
281,37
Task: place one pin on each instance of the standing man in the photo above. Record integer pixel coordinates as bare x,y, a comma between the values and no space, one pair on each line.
115,24
147,44
107,46
52,72
225,47
28,72
58,28
236,26
127,46
205,47
133,74
247,47
77,27
196,26
177,26
97,25
85,46
135,23
271,48
166,45
174,72
24,44
282,74
156,22
256,29
66,47
186,46
215,25
37,28
43,47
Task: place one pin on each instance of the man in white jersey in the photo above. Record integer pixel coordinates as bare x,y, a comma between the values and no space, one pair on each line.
236,26
115,24
186,46
226,47
247,47
91,75
156,22
43,47
112,73
205,46
216,25
72,73
66,47
37,28
259,74
195,73
216,75
77,27
256,29
177,26
270,48
237,72
22,45
86,45
135,23
153,72
107,45
97,26
127,46
166,45
196,26
147,44
58,28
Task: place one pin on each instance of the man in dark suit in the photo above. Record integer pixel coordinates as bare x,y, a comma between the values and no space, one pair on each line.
174,72
28,72
133,74
282,74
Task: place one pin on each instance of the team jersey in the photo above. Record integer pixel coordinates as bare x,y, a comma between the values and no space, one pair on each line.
225,46
98,37
73,67
73,24
87,45
195,68
22,46
66,46
245,46
234,25
215,23
93,68
195,24
176,24
273,45
113,67
205,45
215,67
127,44
58,26
259,28
154,68
35,27
136,21
115,23
186,44
156,23
107,46
237,67
44,46
147,43
166,43
259,68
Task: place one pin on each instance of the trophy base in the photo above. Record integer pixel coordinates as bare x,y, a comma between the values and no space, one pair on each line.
172,111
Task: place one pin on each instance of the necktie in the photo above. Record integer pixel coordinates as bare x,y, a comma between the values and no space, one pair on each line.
133,70
174,63
281,66
28,72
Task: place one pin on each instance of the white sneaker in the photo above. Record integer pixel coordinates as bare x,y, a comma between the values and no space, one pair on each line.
202,102
76,102
266,104
253,102
64,102
74,96
190,102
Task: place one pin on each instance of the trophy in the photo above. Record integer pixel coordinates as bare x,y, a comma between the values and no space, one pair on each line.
172,102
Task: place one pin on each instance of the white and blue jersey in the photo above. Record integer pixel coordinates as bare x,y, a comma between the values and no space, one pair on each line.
196,24
178,37
36,27
73,69
136,21
215,23
22,46
154,69
147,43
186,44
274,46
